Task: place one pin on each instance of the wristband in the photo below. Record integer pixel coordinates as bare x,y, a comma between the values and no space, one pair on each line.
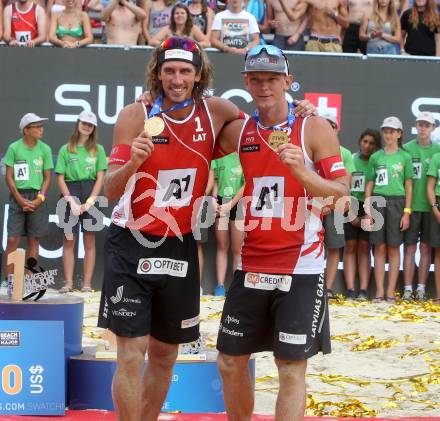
120,154
42,192
407,210
331,167
90,201
435,205
41,197
78,44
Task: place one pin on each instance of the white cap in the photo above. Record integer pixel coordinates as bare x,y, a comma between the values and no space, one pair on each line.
392,123
426,116
30,118
88,117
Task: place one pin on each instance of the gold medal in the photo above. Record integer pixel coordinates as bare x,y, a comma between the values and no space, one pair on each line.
154,126
278,138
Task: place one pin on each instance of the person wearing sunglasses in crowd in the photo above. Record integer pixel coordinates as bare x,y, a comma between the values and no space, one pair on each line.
158,170
277,300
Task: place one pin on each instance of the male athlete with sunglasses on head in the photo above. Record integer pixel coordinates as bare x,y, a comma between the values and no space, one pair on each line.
277,300
158,170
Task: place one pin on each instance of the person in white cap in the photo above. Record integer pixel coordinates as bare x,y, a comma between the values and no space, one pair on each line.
28,170
389,176
80,169
421,150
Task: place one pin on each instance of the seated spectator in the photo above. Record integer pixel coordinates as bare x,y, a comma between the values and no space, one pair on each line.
235,30
181,25
24,24
123,22
288,34
381,28
70,28
421,29
201,15
158,16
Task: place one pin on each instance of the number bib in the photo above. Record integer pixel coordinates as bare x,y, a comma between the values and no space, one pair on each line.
268,197
21,171
381,177
174,187
417,168
357,182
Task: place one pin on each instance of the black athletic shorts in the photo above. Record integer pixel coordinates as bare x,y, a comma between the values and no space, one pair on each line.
286,314
356,233
150,291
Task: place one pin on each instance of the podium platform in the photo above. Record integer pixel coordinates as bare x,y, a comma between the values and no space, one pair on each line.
195,385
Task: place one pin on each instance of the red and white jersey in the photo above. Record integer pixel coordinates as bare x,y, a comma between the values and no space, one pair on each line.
24,26
163,200
284,233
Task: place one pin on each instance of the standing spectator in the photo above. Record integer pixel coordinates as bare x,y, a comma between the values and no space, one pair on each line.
352,42
24,24
80,174
234,30
288,35
421,29
357,250
158,15
381,28
334,239
70,28
123,22
181,25
228,187
28,166
327,20
389,176
202,16
421,150
433,190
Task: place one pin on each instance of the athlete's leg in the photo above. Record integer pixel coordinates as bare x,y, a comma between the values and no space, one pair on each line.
332,266
350,263
157,377
68,260
291,400
89,258
237,237
393,270
237,388
127,381
222,236
425,262
379,268
409,264
33,243
11,246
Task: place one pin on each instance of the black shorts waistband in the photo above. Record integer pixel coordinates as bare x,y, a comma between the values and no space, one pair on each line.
324,40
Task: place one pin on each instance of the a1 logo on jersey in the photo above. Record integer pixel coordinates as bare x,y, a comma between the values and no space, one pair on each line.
326,104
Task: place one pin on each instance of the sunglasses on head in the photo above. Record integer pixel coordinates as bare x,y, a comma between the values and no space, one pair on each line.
270,50
180,43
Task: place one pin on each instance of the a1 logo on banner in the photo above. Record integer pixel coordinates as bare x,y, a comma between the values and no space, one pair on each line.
326,104
32,367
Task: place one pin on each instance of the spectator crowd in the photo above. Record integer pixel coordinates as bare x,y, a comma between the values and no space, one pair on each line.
350,26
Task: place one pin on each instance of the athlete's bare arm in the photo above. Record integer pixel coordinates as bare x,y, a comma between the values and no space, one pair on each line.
222,112
229,136
320,142
128,131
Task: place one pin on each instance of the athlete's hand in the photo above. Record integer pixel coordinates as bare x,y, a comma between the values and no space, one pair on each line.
404,222
141,149
304,108
356,222
29,44
293,157
13,43
146,98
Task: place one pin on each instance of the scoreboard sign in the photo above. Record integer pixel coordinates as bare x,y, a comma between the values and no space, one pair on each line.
32,367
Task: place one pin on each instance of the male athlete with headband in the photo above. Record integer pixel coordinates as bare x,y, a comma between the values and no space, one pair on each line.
158,170
277,300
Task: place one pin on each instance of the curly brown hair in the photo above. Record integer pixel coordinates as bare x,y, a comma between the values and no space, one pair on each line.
200,89
430,16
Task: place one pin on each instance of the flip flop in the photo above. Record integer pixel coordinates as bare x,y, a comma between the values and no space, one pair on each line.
86,289
65,289
378,299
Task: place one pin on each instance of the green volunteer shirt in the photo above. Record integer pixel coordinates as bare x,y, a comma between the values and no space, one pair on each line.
358,177
28,163
389,172
347,160
81,165
228,174
434,171
421,157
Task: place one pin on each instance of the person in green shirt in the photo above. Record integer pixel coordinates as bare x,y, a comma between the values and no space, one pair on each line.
28,169
357,250
433,193
421,150
334,240
389,179
80,172
228,189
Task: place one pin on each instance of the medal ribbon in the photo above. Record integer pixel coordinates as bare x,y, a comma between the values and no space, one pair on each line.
156,108
290,118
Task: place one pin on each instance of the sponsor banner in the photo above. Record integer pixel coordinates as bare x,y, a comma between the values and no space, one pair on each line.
267,281
162,266
32,367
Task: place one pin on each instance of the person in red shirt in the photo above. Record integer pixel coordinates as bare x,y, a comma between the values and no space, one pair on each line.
24,24
277,300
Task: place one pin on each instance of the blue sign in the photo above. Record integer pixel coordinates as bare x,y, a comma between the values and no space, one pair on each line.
32,367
